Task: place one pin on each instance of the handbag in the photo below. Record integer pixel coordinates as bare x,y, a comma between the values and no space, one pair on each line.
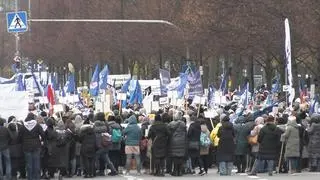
194,145
253,140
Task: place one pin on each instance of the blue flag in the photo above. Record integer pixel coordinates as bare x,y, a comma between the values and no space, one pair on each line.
223,86
125,89
94,84
183,82
71,85
313,105
164,81
276,84
103,77
195,84
136,96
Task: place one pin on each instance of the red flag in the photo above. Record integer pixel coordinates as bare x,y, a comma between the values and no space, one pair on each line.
50,95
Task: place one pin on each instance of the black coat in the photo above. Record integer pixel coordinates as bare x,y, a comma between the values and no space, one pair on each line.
159,134
88,141
58,156
178,138
269,141
4,138
29,136
15,147
226,147
194,133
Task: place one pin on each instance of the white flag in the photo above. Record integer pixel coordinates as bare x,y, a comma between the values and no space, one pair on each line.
289,63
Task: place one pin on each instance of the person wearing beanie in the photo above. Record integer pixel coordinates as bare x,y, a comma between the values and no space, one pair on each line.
159,134
269,143
292,141
29,136
177,144
226,146
193,135
5,138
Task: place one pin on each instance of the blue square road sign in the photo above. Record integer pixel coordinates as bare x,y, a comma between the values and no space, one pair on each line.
17,22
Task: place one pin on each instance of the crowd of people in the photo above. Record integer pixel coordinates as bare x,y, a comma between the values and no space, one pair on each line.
172,141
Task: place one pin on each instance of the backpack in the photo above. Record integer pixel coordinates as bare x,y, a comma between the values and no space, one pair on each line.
116,136
204,140
105,140
61,139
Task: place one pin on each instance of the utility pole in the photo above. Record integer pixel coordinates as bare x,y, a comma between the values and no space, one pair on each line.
17,34
124,63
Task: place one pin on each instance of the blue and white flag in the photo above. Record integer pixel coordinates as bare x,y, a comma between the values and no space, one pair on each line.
125,89
211,96
276,84
313,107
224,85
289,63
94,84
244,99
195,85
103,77
20,85
179,84
164,76
70,84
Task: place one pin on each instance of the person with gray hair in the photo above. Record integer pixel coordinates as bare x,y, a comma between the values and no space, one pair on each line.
177,143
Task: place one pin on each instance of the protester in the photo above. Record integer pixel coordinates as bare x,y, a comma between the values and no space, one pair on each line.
193,135
205,144
101,130
314,143
242,147
115,130
292,140
88,149
29,136
132,135
269,141
226,146
177,143
159,135
5,140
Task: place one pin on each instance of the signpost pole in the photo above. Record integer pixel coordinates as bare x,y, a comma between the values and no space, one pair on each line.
17,34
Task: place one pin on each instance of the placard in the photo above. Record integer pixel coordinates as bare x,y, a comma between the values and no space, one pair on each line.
122,96
203,100
58,108
196,100
285,88
163,100
210,114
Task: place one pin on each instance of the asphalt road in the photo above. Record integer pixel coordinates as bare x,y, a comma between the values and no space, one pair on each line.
212,175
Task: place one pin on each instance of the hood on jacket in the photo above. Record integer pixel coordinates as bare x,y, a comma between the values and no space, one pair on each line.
315,118
240,120
99,127
99,117
12,127
292,121
30,124
227,125
114,125
60,125
259,120
132,119
50,122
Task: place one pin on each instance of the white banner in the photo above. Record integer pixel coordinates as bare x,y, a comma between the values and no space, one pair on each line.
14,104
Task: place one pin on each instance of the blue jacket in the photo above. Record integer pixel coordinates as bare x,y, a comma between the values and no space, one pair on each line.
132,132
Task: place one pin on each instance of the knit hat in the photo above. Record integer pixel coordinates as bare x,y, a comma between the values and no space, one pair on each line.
30,117
224,117
177,116
270,119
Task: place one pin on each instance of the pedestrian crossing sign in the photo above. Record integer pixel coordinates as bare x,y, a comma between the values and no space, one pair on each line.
17,22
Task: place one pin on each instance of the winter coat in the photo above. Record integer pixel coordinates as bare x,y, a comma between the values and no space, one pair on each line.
269,142
159,134
113,125
314,140
213,135
100,127
255,132
242,131
204,150
292,140
15,147
88,141
4,138
226,146
29,136
132,132
177,140
193,135
58,155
